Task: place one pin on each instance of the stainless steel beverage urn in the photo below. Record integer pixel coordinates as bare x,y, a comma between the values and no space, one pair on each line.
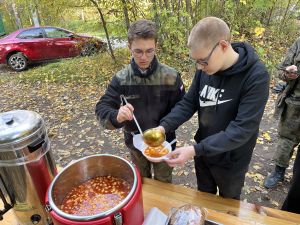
27,166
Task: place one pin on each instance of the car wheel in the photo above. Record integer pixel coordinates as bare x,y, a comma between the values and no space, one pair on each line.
88,49
17,62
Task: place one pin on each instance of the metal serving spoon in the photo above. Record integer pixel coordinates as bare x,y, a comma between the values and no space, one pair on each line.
136,122
154,137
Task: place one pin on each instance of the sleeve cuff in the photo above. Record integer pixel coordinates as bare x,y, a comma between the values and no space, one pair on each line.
113,119
165,126
199,149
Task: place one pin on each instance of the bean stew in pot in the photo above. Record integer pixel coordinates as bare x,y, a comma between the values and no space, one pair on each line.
96,195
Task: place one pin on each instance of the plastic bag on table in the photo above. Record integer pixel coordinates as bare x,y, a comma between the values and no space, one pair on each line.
188,215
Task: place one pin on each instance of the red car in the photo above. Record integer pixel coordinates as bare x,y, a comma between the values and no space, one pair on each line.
24,46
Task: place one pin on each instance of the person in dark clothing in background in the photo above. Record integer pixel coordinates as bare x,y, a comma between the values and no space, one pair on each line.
151,89
229,91
288,109
292,200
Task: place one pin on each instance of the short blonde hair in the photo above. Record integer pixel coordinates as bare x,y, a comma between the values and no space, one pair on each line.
208,32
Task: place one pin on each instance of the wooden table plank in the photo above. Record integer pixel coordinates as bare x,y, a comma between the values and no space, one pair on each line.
170,195
164,204
225,211
293,217
9,218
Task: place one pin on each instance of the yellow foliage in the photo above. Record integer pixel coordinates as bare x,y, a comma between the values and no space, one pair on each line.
256,167
260,141
259,31
266,136
243,2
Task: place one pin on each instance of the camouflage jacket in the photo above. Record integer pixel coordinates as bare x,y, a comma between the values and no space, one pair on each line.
292,57
152,97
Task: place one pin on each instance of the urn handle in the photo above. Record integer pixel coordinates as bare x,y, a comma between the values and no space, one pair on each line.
6,205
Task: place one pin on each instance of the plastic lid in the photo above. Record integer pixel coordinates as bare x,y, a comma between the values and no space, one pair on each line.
18,125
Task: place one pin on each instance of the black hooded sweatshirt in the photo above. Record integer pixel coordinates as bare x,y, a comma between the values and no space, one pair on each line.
230,106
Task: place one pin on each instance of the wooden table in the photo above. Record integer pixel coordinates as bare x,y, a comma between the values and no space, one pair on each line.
225,211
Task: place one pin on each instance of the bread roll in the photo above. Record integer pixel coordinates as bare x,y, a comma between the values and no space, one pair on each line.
188,215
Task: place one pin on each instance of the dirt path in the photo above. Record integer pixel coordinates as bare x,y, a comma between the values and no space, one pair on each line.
4,69
74,132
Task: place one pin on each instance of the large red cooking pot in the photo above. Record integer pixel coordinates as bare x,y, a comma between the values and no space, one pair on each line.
128,212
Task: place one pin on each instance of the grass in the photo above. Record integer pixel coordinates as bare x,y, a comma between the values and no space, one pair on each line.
94,69
99,69
87,70
116,29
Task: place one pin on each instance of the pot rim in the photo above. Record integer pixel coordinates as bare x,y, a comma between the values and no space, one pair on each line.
99,215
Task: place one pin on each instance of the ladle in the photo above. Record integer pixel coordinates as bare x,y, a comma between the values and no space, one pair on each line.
136,122
154,137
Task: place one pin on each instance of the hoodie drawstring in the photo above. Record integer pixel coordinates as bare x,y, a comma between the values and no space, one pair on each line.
220,88
206,93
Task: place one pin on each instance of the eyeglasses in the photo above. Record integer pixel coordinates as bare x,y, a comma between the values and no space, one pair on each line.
139,53
204,62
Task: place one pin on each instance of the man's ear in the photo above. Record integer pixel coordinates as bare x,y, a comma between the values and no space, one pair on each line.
224,44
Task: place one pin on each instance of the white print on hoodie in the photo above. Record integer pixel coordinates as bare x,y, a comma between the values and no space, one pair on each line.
213,96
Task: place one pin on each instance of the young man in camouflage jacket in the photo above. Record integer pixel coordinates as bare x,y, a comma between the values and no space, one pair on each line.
289,107
151,89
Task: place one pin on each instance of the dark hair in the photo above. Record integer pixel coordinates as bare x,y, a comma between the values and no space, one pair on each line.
142,29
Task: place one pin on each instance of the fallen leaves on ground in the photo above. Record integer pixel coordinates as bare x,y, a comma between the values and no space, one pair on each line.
67,106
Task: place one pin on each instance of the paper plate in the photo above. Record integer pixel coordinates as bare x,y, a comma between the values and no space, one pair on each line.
138,141
140,145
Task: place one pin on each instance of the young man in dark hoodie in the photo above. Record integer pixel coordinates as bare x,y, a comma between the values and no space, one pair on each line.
229,91
151,89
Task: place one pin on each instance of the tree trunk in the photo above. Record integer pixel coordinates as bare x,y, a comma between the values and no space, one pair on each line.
10,11
157,22
160,4
188,7
156,16
222,8
16,14
134,11
178,11
35,14
197,12
285,15
271,13
35,18
105,28
189,11
167,5
82,15
125,11
206,7
295,6
173,6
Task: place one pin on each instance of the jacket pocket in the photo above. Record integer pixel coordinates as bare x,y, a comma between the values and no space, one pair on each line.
280,104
